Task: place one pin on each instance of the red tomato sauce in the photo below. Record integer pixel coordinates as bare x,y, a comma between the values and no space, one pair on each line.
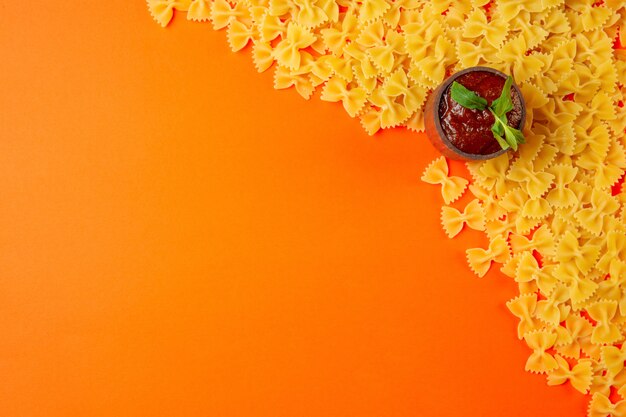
470,130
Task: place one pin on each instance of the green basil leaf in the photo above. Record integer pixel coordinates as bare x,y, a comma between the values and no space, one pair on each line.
497,128
501,141
503,104
513,135
467,98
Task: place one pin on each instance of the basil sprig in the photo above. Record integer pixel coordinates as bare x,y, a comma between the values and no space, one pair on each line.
467,98
506,135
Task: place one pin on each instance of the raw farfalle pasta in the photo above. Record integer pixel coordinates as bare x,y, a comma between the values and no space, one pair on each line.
605,331
601,406
480,259
453,220
613,358
579,331
451,187
163,10
555,201
580,375
552,213
427,40
524,307
540,361
199,10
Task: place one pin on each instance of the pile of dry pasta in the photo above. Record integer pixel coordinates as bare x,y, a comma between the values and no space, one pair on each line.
554,213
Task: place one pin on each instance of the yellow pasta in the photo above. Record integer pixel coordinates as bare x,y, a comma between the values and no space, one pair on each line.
451,187
163,10
453,220
352,97
540,361
524,307
580,375
199,10
480,259
613,358
601,406
604,331
550,310
542,241
555,219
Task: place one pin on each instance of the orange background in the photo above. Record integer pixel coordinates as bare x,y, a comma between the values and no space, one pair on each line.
179,239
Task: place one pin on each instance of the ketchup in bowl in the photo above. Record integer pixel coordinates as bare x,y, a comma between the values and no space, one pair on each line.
470,130
462,133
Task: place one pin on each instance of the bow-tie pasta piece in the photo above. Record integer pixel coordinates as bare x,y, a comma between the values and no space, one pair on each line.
238,35
471,54
480,259
383,54
476,26
545,157
262,56
288,51
415,123
163,10
553,309
523,271
452,188
525,268
611,289
554,21
513,201
535,182
540,361
341,35
492,174
604,382
542,241
580,375
613,358
561,196
523,307
397,85
371,10
453,220
521,65
391,112
285,78
370,121
309,14
199,10
489,202
614,251
603,313
433,66
594,17
223,13
510,267
581,286
351,96
498,227
609,173
536,208
592,218
569,250
579,329
545,279
601,406
271,27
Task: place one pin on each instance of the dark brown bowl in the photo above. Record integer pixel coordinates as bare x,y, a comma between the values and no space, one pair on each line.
435,132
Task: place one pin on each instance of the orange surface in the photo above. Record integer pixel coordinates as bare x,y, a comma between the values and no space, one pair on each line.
179,239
